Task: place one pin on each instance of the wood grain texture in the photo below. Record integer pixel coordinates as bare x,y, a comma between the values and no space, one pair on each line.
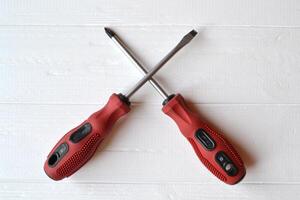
163,191
147,147
143,12
241,73
65,65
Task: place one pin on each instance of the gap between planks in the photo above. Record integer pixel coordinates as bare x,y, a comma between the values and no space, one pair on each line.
149,25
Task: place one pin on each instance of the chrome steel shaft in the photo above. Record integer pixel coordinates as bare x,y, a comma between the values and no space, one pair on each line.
148,76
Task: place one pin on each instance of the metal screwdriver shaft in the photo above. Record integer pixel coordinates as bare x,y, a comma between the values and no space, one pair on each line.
184,41
213,150
123,47
79,145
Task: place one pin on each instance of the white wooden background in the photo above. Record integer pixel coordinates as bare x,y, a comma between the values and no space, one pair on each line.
241,73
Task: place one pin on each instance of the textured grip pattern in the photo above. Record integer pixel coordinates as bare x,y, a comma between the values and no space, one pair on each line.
228,146
189,123
77,159
80,151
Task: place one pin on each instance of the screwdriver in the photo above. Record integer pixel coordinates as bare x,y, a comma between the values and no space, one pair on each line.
213,150
77,146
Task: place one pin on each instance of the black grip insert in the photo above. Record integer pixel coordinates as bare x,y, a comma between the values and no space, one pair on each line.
81,133
226,163
58,154
205,139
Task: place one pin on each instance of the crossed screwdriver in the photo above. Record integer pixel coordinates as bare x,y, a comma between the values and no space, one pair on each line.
77,146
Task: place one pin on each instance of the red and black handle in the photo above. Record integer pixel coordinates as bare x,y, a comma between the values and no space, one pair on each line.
79,145
214,151
76,147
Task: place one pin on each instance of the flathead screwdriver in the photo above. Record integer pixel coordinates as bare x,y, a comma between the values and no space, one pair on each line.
213,150
77,146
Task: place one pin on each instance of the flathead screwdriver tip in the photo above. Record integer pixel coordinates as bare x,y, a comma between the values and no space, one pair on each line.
109,32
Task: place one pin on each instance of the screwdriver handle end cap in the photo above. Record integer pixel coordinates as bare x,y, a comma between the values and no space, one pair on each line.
77,146
213,150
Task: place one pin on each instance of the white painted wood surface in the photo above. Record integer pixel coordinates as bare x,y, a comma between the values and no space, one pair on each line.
241,73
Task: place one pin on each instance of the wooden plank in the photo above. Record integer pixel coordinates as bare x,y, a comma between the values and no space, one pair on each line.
242,73
143,12
161,191
80,65
147,147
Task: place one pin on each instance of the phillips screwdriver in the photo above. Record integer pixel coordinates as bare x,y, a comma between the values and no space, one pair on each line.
213,150
77,146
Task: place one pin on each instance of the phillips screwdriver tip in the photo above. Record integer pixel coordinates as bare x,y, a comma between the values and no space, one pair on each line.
193,33
109,32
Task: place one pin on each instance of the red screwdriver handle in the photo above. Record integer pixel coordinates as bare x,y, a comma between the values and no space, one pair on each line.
76,147
214,151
